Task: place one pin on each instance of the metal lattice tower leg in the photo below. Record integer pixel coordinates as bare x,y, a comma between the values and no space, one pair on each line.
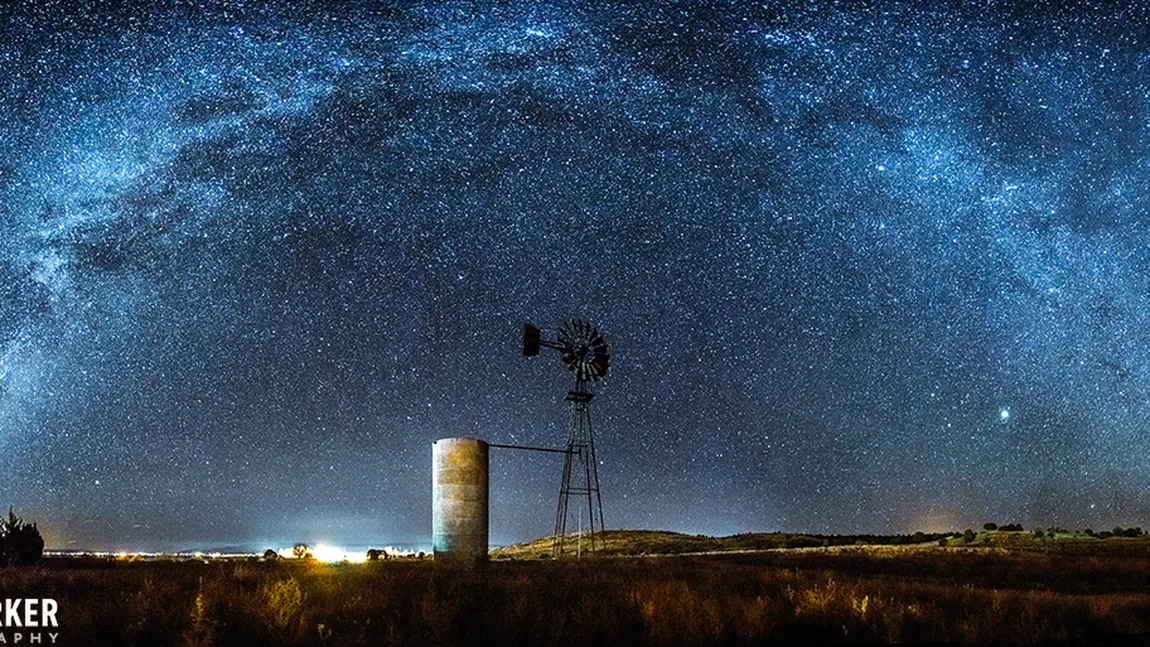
580,471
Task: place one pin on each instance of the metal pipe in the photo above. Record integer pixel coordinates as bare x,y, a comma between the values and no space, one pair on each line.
533,449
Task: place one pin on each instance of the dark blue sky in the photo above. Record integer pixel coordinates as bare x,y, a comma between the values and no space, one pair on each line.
863,267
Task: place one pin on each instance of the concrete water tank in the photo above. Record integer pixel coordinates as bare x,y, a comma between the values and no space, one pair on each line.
459,499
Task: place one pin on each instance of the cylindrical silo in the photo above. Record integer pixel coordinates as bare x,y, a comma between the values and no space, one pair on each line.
459,499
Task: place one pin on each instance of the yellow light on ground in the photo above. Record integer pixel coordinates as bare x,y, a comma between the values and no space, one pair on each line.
333,554
325,553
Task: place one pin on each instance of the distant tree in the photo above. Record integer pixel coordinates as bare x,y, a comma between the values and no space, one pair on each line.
918,538
1039,534
1088,532
968,535
1133,532
376,554
271,555
1118,531
421,555
20,543
1105,534
301,551
990,525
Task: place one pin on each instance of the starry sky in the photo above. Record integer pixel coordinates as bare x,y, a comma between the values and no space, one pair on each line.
864,267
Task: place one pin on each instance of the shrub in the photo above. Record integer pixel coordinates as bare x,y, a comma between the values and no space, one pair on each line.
281,602
990,525
968,535
20,543
271,555
1039,534
1105,534
201,629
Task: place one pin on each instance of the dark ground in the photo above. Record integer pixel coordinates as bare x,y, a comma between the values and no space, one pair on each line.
1035,592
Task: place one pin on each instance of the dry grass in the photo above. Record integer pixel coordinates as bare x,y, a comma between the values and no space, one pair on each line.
841,596
660,542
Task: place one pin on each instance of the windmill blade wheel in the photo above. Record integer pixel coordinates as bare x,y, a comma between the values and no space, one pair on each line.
585,352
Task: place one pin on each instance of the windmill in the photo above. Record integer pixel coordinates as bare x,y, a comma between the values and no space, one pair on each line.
585,353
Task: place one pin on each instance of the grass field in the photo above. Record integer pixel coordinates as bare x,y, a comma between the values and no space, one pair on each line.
1034,592
637,543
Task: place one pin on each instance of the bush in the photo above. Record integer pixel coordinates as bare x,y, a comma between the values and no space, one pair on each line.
968,535
1039,534
20,543
1105,534
990,525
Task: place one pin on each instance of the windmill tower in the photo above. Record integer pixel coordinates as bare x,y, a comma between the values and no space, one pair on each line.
586,355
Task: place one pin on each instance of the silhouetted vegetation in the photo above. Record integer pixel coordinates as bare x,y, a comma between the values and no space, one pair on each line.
20,543
1069,591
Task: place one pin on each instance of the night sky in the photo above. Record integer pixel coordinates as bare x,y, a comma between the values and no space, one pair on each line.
862,269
